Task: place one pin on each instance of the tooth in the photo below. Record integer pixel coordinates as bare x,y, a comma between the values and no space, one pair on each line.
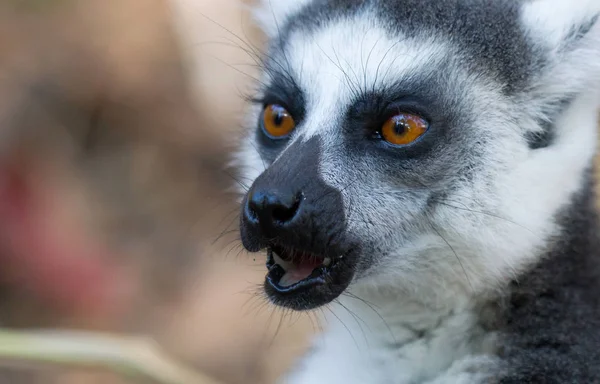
327,261
283,264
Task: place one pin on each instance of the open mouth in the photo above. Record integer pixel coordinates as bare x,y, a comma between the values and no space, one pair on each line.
304,280
288,268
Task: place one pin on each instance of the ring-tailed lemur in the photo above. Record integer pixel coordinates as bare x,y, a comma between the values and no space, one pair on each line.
423,168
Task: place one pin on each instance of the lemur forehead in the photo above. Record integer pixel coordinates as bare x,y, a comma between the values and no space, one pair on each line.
492,35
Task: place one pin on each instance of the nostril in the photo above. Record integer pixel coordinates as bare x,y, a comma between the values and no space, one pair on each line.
272,208
283,213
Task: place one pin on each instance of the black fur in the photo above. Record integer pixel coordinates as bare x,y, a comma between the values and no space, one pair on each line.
552,334
547,135
318,226
282,90
543,138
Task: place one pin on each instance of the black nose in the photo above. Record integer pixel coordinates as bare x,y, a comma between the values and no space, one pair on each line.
273,208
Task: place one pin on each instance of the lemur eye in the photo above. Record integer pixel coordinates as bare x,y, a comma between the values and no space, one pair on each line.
277,121
403,129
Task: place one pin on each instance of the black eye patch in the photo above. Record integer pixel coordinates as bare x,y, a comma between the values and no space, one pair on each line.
284,91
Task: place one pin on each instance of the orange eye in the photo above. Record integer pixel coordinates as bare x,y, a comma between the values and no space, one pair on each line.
403,129
277,121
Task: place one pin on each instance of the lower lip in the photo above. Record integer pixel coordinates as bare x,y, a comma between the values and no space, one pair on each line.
276,272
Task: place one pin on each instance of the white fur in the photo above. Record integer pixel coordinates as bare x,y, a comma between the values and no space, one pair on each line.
552,20
376,343
572,69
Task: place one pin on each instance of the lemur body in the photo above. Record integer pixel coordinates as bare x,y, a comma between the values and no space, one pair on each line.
424,170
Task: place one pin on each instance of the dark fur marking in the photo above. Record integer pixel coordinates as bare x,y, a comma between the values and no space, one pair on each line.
578,32
319,224
545,138
282,90
553,321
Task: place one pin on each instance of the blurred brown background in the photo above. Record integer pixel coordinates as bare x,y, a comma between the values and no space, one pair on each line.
116,212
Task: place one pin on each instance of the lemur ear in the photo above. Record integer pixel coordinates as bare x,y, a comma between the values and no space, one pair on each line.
568,32
271,14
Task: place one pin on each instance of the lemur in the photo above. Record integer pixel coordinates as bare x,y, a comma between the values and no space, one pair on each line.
422,172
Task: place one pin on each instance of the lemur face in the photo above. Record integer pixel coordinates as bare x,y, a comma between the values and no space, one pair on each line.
427,145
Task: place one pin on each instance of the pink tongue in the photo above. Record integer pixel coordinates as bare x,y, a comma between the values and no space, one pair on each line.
293,276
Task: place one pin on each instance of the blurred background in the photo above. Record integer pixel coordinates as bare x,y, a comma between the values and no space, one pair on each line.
117,213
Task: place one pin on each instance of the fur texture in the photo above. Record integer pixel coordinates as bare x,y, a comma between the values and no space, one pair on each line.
477,258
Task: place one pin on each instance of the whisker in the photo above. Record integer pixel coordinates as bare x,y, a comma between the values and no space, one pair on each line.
484,213
357,319
381,62
278,329
240,183
344,325
372,307
453,251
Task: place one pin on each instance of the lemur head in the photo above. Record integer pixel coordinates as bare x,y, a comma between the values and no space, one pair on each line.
421,144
